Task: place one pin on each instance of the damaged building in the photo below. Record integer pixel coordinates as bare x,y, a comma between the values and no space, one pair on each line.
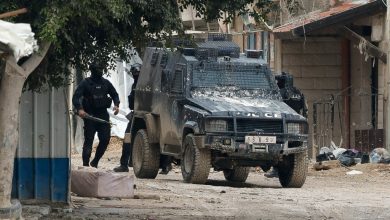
336,52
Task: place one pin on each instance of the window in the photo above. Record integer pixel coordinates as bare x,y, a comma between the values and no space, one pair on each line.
177,83
251,41
164,60
154,59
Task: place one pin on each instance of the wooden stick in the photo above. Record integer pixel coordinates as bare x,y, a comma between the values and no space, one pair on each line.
13,13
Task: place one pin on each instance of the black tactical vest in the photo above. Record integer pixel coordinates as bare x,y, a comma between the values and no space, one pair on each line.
97,94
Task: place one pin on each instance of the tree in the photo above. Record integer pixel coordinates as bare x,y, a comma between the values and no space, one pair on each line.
74,33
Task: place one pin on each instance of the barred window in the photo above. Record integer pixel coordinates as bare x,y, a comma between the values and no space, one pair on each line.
177,83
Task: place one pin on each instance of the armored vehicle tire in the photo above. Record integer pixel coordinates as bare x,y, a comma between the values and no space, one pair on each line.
145,156
293,170
237,174
196,163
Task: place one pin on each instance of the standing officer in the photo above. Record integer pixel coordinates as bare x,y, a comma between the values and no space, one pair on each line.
294,98
126,147
91,98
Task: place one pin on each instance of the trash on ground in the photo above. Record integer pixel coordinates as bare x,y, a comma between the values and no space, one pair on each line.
380,155
338,152
347,157
327,165
91,182
354,172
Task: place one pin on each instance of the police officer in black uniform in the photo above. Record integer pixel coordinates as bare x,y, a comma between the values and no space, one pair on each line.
91,98
294,98
126,147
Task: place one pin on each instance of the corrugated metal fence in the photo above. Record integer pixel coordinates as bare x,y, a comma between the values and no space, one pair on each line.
42,164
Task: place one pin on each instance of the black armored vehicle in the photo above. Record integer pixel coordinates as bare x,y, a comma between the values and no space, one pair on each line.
211,106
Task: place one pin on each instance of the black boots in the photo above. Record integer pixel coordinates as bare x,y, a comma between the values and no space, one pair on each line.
121,169
94,163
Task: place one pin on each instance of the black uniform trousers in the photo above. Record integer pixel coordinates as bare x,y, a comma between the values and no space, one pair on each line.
104,134
126,150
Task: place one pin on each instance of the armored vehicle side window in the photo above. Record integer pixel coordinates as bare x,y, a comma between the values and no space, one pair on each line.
164,60
154,59
177,84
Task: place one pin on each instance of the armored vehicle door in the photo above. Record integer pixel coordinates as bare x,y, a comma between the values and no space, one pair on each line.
171,114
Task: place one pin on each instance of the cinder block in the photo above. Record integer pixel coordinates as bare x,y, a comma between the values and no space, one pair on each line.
304,83
294,70
291,47
321,71
292,59
321,59
328,83
322,47
318,95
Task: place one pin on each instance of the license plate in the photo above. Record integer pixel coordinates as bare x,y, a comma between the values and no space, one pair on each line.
260,140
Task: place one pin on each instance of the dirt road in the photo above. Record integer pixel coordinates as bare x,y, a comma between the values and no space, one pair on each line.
326,195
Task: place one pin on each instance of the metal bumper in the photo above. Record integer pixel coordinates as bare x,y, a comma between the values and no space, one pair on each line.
229,145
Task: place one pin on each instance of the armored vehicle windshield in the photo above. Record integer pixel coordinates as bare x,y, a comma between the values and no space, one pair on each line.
233,79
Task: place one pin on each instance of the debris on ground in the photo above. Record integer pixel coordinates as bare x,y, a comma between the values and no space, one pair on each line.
380,155
327,165
354,172
349,157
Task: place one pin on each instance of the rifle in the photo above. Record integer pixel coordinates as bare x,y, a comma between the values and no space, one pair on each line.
89,117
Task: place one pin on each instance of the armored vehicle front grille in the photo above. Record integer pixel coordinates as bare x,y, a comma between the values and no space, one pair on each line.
250,125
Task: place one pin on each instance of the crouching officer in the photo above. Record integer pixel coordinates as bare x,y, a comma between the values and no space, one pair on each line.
294,98
91,98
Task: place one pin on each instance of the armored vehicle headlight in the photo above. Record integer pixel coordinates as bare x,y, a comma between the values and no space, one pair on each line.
296,128
216,125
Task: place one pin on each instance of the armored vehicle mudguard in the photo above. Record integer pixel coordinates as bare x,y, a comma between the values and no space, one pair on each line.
211,106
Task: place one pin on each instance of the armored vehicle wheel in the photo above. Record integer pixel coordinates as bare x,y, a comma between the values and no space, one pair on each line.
293,170
196,163
237,174
145,156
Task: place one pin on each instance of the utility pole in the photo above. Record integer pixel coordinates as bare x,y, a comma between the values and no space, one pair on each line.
387,77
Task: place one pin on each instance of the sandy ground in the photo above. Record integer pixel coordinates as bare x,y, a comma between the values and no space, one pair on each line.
330,194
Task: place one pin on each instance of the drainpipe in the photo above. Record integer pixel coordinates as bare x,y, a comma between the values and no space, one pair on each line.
346,83
387,73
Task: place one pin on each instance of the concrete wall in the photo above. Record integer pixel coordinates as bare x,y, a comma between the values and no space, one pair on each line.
316,66
360,111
